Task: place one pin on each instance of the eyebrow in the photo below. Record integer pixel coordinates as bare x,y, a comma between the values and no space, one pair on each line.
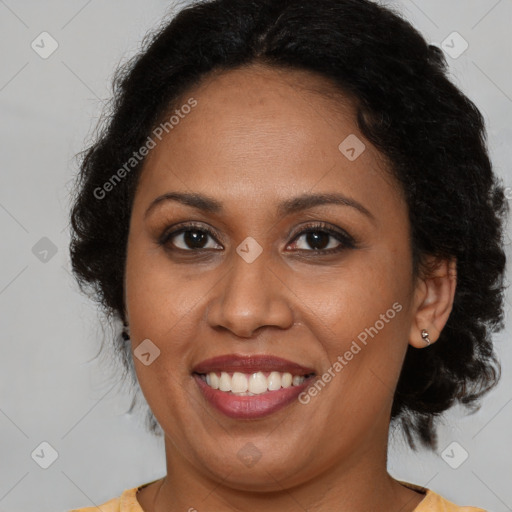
303,202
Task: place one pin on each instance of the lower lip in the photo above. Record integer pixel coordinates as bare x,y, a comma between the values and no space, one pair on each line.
249,407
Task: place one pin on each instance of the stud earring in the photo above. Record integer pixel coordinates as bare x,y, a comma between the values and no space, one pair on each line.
424,335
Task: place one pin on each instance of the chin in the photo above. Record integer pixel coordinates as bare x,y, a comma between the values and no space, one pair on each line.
250,469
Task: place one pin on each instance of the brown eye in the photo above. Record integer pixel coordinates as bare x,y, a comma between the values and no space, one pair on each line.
318,240
189,238
321,238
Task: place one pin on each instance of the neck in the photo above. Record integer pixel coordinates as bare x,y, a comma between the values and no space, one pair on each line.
358,483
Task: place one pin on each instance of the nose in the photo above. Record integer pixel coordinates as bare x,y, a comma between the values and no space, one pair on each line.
250,296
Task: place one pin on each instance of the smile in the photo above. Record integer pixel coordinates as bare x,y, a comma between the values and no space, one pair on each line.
243,384
250,387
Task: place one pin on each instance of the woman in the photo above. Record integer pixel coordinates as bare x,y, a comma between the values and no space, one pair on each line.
293,214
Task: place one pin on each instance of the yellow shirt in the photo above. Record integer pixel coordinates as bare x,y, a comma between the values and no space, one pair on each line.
432,502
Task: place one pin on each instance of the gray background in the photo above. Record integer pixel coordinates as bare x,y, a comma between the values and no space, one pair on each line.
52,387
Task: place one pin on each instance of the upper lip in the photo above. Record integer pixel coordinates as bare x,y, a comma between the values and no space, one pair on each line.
250,364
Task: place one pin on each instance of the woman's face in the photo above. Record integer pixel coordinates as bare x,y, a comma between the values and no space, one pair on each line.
262,149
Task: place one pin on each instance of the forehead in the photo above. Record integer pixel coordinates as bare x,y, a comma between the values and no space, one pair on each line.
264,132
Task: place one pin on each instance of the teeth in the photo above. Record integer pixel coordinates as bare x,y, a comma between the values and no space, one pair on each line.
212,380
257,383
274,381
296,381
254,384
239,383
286,380
225,382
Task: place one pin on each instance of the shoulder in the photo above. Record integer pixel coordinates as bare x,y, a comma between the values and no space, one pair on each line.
112,505
433,502
126,502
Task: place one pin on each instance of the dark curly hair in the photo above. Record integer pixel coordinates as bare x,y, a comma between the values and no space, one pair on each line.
431,133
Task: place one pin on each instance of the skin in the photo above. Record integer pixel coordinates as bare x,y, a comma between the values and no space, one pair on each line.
259,136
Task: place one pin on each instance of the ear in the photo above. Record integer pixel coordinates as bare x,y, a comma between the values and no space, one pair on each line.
434,294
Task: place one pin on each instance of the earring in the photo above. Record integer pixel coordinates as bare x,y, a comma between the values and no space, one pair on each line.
424,335
125,334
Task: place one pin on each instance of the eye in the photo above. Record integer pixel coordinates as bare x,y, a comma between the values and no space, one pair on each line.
323,239
190,237
320,237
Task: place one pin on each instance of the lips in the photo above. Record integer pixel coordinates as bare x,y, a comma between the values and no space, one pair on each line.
250,364
259,405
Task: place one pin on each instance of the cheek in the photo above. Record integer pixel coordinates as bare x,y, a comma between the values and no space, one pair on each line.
360,316
352,297
159,305
361,319
159,295
165,304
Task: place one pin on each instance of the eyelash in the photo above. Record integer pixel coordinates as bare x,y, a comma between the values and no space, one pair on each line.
346,241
